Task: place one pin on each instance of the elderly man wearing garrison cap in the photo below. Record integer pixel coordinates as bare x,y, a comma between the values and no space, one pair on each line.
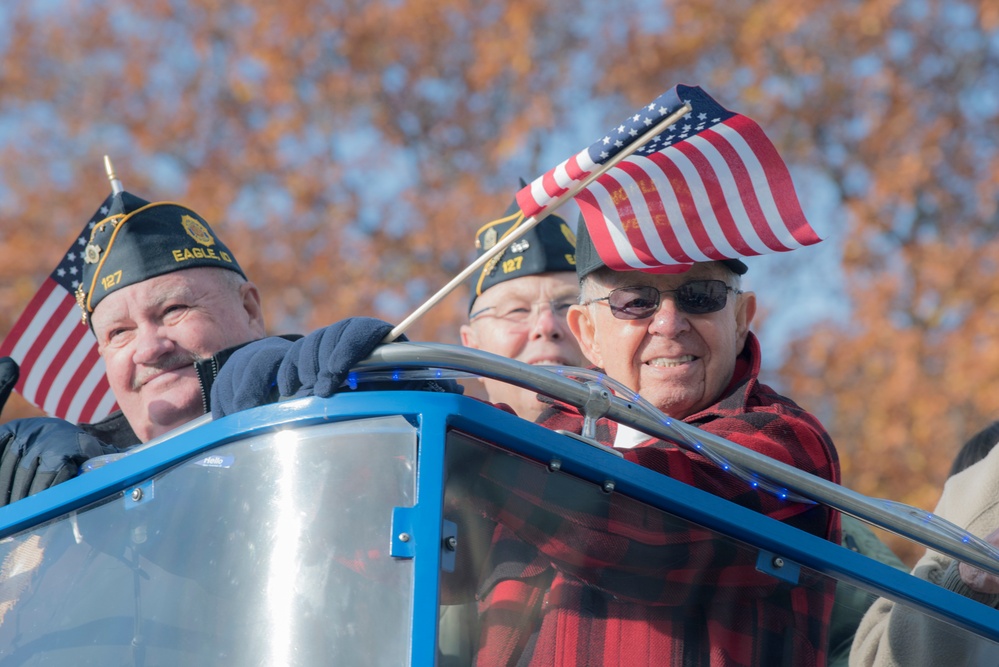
520,300
167,301
169,305
161,293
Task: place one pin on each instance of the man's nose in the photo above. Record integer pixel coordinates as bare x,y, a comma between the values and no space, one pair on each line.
548,324
669,320
151,343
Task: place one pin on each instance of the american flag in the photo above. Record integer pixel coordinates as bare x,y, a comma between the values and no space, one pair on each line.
61,372
711,186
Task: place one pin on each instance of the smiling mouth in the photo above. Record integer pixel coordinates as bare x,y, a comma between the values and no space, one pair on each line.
146,379
664,362
153,375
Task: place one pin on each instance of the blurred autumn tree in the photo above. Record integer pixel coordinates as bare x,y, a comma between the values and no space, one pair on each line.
348,150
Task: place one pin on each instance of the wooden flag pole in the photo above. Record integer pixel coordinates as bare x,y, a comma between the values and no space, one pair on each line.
530,222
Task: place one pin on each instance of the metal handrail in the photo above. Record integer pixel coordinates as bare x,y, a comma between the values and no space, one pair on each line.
916,524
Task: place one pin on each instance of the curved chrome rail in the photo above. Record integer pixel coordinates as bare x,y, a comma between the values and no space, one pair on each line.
913,523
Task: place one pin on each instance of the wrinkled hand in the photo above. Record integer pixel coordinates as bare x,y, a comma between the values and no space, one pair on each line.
9,373
39,453
980,580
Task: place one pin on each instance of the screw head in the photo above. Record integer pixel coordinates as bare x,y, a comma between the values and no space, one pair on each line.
778,562
404,537
136,494
451,542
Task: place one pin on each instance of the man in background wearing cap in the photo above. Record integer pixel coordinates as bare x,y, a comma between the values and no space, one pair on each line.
520,300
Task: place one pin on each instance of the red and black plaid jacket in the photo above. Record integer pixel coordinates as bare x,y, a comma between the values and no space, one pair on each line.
619,584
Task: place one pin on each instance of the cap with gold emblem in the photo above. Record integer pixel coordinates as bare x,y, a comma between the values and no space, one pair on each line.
549,246
140,240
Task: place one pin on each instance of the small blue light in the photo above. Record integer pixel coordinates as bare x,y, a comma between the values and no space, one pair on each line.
966,539
395,375
755,484
725,466
439,373
783,495
697,445
352,380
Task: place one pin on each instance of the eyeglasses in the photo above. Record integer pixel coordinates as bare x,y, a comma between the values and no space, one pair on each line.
525,313
697,297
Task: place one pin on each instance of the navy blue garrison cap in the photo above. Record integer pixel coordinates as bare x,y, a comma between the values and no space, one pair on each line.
549,246
139,240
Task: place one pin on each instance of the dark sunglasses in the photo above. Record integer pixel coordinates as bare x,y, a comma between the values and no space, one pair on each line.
697,297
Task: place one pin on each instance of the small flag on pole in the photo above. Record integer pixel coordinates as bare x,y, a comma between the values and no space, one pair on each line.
61,372
711,186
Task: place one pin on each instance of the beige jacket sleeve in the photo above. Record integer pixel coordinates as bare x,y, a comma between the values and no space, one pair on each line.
893,635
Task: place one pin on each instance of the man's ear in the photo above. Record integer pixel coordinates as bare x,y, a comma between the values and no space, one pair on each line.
251,304
745,311
468,337
583,328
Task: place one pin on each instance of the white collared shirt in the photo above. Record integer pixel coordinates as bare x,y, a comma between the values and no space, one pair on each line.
628,438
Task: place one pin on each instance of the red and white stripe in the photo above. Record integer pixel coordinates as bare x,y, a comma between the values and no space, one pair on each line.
61,372
723,193
544,190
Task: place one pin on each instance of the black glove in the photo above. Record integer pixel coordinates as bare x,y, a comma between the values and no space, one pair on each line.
9,373
40,452
273,368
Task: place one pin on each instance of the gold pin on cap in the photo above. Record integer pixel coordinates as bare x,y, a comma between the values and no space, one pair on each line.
489,239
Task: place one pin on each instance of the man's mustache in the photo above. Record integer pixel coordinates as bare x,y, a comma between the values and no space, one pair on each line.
167,363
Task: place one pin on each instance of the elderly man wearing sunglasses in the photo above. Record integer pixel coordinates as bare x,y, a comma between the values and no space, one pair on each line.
681,341
673,338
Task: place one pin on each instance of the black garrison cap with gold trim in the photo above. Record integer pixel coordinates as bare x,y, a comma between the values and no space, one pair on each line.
139,240
549,246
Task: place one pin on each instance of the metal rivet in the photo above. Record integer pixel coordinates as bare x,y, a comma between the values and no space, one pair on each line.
404,537
554,465
778,562
136,494
608,486
451,542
